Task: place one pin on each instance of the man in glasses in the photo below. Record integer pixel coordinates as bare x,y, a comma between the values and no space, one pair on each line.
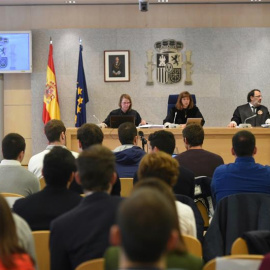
252,113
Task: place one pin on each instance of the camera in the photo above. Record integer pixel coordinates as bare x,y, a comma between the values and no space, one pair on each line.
143,5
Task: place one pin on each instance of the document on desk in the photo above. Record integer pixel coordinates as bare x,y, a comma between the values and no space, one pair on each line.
151,126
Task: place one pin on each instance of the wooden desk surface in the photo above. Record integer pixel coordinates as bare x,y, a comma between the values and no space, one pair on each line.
216,139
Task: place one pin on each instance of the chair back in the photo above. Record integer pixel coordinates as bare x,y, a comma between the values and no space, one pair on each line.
235,262
239,246
11,198
42,248
126,186
204,213
42,183
96,264
172,99
193,245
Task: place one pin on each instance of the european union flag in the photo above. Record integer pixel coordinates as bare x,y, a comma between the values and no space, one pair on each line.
81,94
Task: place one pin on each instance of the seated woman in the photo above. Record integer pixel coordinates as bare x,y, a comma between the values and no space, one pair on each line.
12,256
184,109
179,258
125,108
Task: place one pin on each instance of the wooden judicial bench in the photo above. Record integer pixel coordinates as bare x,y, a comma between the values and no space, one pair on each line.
216,139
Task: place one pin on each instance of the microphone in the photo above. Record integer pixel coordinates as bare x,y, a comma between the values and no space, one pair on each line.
96,118
252,116
174,117
144,141
245,125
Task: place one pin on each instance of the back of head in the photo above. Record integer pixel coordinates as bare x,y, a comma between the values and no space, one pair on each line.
9,239
58,166
96,166
146,220
127,132
12,145
163,140
243,143
157,184
53,130
251,94
194,134
89,134
160,165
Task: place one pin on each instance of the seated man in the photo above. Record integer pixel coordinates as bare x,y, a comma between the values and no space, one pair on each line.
128,155
164,140
83,233
55,132
196,159
254,108
145,238
55,199
164,167
244,175
13,177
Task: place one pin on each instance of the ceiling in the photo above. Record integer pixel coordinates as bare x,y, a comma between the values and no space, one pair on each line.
126,2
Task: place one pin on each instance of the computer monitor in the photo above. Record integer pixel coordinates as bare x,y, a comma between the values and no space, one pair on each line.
117,120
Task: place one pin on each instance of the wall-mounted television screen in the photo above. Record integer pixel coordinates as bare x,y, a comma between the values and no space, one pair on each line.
16,52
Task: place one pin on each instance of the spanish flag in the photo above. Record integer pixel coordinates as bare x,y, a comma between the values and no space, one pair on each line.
51,108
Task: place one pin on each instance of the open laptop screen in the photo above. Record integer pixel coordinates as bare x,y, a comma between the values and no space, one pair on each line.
197,121
117,120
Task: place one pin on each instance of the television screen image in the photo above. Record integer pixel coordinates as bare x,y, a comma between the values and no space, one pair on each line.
16,52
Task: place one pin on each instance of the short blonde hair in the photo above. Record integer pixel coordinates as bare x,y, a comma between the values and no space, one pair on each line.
160,165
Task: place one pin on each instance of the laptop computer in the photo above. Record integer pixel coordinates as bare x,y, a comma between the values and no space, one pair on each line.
197,121
117,120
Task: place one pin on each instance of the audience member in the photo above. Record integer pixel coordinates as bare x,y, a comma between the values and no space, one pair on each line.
83,233
12,254
128,155
55,132
55,199
244,175
88,135
178,257
125,108
196,159
145,229
13,177
163,166
164,140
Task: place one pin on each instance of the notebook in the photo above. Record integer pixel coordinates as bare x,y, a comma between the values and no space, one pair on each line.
117,120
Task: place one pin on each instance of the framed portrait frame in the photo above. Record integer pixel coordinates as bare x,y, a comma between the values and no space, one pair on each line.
117,66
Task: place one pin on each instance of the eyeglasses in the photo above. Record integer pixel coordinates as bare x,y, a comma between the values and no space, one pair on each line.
126,103
260,96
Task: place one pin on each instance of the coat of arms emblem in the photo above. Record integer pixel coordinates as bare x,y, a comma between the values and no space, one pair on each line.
168,63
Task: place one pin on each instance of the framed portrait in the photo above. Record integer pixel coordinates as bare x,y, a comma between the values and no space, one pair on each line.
116,66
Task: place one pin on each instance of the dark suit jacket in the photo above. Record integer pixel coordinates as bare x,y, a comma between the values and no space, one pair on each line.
242,112
83,233
42,207
233,216
185,184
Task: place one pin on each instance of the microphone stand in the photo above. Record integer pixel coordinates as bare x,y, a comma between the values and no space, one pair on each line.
144,141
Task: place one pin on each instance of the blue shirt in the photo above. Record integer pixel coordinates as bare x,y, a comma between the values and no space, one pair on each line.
244,175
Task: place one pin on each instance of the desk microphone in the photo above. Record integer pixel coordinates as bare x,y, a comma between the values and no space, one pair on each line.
245,125
174,117
96,118
144,141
